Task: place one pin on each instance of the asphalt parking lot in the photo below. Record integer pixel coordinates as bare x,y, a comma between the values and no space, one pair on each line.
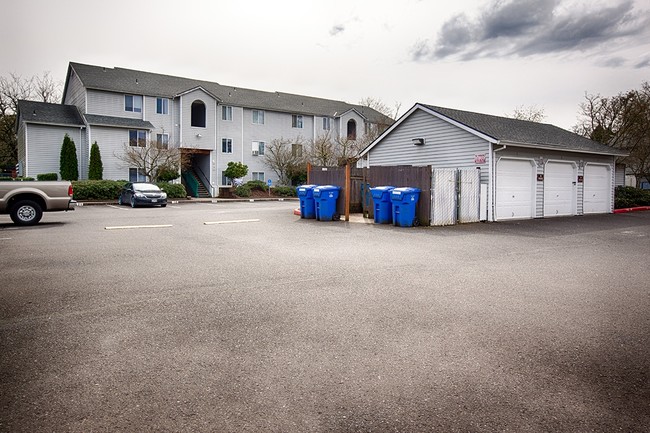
241,317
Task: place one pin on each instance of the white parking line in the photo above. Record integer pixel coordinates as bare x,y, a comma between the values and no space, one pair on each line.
208,223
5,239
116,207
150,226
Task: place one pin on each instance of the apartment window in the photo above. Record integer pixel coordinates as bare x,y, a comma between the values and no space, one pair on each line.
198,114
136,175
258,175
133,103
162,106
352,129
258,117
296,149
258,148
226,113
326,123
225,180
162,140
137,138
296,121
226,145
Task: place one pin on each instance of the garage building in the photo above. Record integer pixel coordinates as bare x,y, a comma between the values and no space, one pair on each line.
527,169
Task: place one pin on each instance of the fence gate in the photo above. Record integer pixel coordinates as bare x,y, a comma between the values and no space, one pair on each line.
456,196
444,204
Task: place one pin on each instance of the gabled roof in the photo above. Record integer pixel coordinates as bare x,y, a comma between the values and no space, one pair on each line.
117,122
507,131
151,84
54,114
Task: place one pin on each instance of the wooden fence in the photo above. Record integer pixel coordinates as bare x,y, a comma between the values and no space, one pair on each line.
360,180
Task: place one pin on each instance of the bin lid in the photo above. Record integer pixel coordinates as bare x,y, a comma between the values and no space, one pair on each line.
405,190
382,188
306,187
328,188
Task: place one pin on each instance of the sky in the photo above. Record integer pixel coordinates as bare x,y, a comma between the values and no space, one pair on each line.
489,56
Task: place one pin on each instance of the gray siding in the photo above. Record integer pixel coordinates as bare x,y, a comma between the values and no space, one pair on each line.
111,142
619,176
190,134
446,146
44,148
110,104
76,93
162,123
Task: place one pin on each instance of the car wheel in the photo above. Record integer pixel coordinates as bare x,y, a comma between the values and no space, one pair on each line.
163,205
26,213
119,200
132,201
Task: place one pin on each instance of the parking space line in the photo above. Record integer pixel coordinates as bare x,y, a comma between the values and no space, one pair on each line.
208,223
148,226
5,239
116,207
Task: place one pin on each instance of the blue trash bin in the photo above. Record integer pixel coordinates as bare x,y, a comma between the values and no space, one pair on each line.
306,197
404,202
383,205
325,197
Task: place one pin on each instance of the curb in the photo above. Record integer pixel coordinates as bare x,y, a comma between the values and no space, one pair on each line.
632,209
203,200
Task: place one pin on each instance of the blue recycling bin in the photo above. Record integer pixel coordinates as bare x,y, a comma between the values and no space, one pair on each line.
325,197
383,205
404,202
306,197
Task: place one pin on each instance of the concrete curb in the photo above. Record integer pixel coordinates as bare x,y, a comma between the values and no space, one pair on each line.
194,200
632,209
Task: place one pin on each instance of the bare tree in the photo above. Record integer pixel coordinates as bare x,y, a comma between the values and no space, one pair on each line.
285,157
531,113
623,122
378,105
323,151
152,158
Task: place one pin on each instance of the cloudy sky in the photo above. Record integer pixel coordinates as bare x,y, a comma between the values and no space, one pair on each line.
487,56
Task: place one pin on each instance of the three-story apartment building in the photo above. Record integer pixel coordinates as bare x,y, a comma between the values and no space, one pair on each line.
213,123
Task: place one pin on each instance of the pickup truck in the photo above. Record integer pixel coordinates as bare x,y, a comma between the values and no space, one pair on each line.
25,202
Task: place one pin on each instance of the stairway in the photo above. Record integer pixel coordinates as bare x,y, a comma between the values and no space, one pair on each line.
202,190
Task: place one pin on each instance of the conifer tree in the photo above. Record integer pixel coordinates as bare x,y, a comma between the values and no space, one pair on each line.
68,164
95,167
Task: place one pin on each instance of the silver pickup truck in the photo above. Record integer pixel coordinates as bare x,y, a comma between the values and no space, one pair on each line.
26,201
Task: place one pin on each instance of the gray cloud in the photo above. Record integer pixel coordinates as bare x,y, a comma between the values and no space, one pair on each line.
528,27
335,30
644,63
613,62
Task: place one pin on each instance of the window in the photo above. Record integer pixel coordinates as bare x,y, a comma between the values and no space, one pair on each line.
296,149
226,145
137,138
198,114
258,148
133,103
162,140
326,123
225,180
226,113
258,117
296,121
162,106
136,175
258,175
352,129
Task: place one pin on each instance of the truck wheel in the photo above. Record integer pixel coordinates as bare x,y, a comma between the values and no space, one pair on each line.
26,213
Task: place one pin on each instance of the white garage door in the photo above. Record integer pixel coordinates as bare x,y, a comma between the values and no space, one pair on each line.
559,189
597,189
514,192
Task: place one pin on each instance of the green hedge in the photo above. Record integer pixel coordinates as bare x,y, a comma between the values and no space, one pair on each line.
284,191
628,196
19,179
243,191
110,189
47,176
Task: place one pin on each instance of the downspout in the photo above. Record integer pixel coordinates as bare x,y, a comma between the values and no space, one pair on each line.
242,134
213,166
180,123
85,160
493,181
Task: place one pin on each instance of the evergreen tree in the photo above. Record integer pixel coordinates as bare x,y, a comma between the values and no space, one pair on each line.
95,167
68,164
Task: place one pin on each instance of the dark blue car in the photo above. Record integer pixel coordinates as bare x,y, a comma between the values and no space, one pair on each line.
142,194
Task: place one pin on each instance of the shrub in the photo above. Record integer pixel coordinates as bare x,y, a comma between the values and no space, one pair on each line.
167,174
243,191
173,190
95,166
235,170
259,185
97,189
20,179
628,196
68,164
47,176
284,191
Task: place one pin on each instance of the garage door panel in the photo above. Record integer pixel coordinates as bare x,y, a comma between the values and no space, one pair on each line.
514,192
597,189
559,189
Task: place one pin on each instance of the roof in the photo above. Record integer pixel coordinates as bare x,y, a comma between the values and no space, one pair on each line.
117,122
507,131
152,84
43,112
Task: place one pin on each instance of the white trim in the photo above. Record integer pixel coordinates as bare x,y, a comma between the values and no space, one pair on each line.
574,198
558,149
610,196
198,88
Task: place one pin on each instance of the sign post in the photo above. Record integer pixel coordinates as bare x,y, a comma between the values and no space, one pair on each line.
269,182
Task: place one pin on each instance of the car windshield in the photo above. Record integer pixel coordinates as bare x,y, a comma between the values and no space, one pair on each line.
145,187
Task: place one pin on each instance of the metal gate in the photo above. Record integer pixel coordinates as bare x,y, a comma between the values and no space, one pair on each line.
456,196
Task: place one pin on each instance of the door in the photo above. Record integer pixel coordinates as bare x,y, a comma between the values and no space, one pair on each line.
515,191
597,189
559,189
